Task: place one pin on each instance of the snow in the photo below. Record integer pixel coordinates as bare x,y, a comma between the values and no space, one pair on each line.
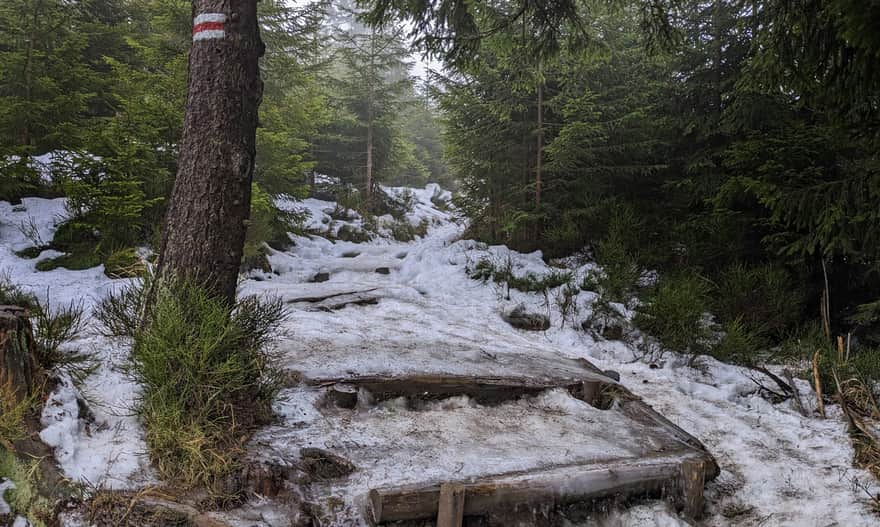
109,451
778,468
4,486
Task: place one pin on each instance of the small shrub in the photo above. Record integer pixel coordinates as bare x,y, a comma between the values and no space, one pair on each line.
208,377
74,236
421,230
765,299
402,231
534,283
12,295
485,270
350,233
674,312
124,263
620,271
738,345
13,411
268,225
54,327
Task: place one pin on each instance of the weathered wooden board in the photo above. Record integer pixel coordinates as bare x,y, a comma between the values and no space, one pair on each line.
483,389
658,476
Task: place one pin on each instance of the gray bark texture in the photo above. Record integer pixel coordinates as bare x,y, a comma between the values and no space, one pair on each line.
204,231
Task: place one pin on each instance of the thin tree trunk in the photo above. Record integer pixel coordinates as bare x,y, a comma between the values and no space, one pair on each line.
718,58
205,225
369,174
29,79
539,154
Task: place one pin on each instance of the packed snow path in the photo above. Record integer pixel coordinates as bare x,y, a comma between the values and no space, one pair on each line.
778,468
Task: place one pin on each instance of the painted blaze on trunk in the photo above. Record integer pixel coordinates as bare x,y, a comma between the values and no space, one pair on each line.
204,230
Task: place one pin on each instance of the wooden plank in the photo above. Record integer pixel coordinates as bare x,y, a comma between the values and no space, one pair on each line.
693,479
451,505
322,296
638,477
483,389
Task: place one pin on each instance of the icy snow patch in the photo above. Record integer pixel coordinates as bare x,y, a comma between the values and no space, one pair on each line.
5,485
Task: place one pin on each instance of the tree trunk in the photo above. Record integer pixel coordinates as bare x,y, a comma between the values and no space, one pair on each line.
205,225
29,81
718,53
368,193
539,154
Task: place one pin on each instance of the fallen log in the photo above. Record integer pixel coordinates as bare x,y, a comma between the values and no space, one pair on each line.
483,389
645,477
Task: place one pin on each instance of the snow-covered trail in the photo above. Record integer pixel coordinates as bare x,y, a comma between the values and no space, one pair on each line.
778,468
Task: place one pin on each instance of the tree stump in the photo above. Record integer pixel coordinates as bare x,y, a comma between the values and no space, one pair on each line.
21,378
20,374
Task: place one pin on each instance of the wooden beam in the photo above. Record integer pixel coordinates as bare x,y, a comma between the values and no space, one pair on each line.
451,505
483,389
629,477
693,479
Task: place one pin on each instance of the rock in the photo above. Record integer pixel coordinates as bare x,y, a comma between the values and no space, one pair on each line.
341,214
519,318
323,465
605,326
320,277
612,374
383,270
349,233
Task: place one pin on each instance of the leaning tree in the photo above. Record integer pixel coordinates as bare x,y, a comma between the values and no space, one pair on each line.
204,230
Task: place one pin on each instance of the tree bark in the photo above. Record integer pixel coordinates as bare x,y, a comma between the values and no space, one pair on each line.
20,373
368,193
539,161
207,217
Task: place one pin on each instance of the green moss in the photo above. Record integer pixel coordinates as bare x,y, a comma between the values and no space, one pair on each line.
31,252
73,262
24,498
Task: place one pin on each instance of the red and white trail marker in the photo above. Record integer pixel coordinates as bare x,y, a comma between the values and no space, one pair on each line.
209,25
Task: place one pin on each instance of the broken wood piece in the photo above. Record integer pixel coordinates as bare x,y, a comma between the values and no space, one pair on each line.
337,302
795,392
818,384
641,412
650,477
483,389
315,298
693,479
342,396
451,505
